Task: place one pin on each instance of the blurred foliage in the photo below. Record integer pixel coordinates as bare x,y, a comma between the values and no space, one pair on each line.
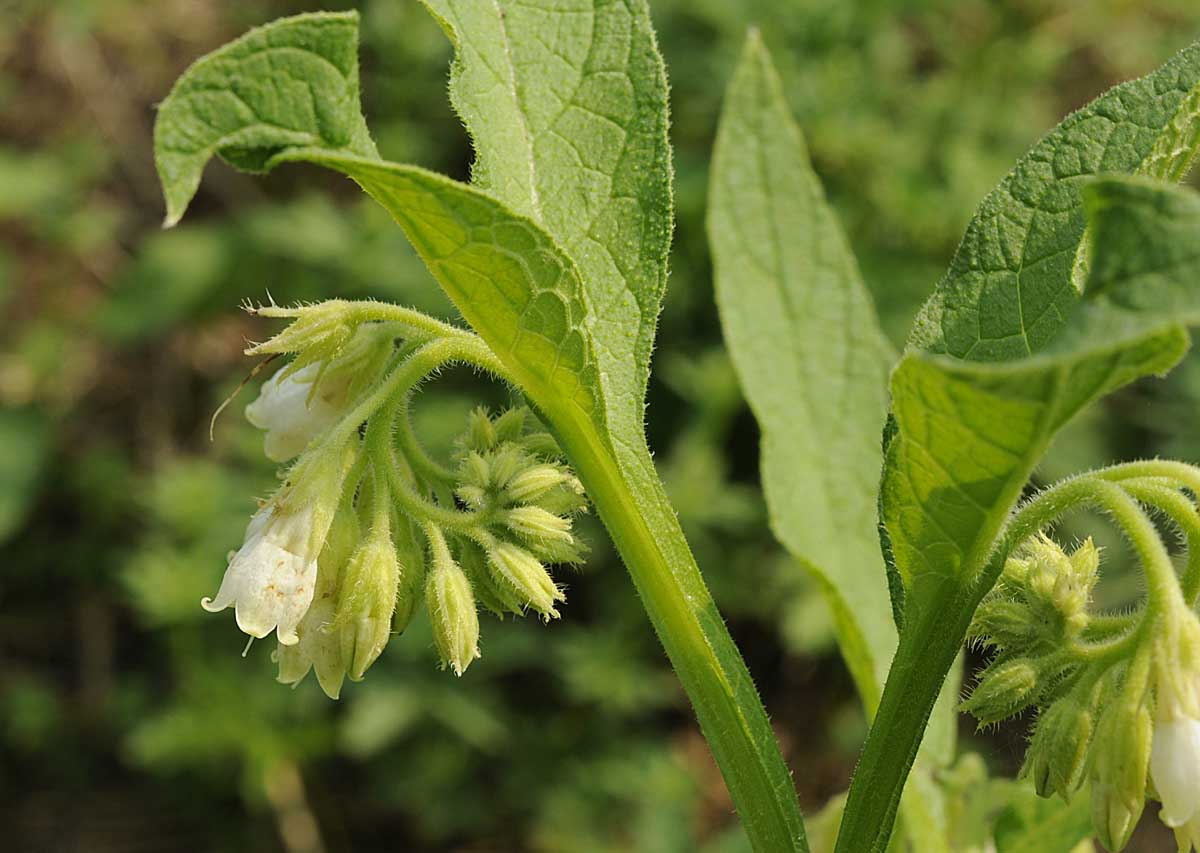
128,719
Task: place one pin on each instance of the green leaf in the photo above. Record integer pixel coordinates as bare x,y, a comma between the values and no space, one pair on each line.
289,84
567,105
1017,273
969,435
807,347
557,257
802,332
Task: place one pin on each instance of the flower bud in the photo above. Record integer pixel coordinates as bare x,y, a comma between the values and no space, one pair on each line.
1003,690
481,434
522,572
1055,757
499,598
452,612
1120,758
322,328
537,524
319,648
1004,623
532,483
366,600
511,423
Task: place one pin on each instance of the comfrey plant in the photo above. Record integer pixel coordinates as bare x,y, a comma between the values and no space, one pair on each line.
1066,287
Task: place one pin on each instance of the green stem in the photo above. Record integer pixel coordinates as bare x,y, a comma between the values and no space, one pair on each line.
645,529
1182,511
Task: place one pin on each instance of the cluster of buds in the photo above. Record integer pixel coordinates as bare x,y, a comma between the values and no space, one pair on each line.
342,555
1118,696
1037,608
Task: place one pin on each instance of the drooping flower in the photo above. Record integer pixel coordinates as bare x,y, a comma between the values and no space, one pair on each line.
1175,768
296,407
271,579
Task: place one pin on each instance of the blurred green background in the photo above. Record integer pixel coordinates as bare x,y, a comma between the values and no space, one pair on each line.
129,719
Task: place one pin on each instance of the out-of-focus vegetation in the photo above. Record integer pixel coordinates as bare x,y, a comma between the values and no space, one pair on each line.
128,720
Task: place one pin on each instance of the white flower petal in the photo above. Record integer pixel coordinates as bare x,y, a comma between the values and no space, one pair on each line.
1175,768
270,580
291,419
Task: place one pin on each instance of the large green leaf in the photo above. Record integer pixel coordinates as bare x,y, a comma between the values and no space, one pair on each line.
801,329
556,256
567,105
802,332
1014,278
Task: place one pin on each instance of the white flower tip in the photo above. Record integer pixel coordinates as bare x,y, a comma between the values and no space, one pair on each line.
211,606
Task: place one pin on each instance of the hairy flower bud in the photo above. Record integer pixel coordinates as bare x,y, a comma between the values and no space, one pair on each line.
1003,690
532,483
523,573
1056,754
366,600
537,524
452,612
1120,759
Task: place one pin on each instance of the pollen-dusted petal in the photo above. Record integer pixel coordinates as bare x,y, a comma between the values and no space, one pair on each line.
271,579
1175,768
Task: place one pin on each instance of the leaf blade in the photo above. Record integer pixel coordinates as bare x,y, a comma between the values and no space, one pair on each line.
566,102
1016,273
790,308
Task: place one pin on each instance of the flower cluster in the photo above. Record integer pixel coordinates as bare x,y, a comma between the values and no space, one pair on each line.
1118,695
365,526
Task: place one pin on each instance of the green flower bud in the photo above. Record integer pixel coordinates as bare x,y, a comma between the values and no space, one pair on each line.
451,606
511,423
1054,760
537,524
322,329
533,483
523,573
366,600
499,598
1004,689
1120,758
1003,623
481,433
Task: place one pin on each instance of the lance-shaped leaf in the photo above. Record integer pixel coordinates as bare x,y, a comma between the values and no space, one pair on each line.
1017,273
969,435
801,329
556,256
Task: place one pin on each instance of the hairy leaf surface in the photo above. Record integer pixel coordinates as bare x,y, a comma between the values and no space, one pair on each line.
1014,278
567,105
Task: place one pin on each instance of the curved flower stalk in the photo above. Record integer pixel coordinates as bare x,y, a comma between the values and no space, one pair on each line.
366,525
1118,695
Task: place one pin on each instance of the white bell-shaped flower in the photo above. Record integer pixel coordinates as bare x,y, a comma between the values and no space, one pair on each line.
270,580
1175,764
293,412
